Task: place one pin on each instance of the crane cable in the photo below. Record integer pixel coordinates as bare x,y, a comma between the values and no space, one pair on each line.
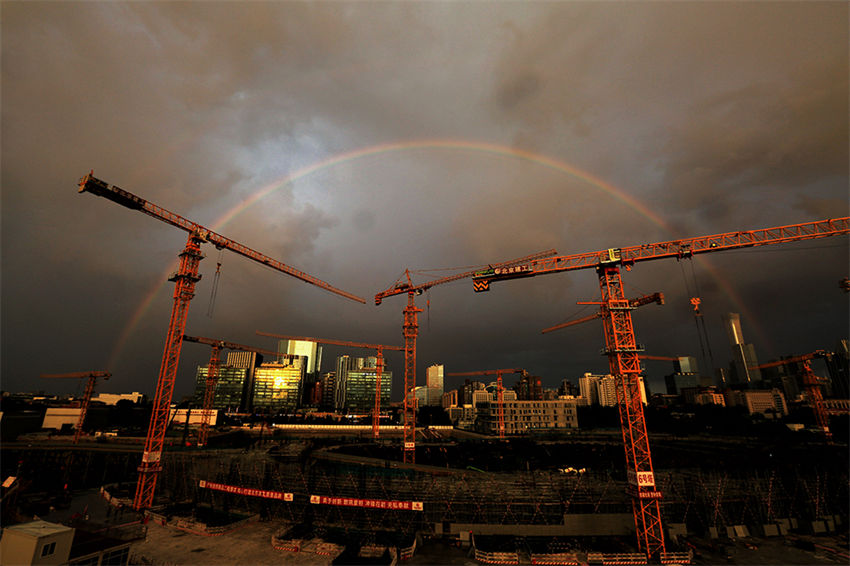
214,290
695,301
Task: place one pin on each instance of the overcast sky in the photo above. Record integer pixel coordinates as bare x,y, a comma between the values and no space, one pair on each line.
420,135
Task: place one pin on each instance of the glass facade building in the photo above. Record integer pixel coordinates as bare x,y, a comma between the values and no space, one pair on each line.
277,387
356,381
232,389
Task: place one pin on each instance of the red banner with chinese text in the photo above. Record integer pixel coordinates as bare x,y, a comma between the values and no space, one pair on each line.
367,503
279,495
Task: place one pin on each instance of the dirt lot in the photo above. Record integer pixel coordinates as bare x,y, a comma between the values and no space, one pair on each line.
249,545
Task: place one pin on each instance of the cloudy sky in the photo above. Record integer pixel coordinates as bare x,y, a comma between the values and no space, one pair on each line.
422,135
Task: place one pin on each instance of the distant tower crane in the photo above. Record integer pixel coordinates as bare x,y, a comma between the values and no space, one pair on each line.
212,375
500,399
92,377
185,279
811,383
636,302
411,330
379,366
622,349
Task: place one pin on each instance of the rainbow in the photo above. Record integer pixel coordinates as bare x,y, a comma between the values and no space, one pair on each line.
444,145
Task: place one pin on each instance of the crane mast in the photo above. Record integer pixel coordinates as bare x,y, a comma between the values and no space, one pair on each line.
379,365
410,330
811,383
622,349
212,375
185,279
636,302
92,377
500,398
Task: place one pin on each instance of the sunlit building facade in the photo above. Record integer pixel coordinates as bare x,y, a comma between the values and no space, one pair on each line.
522,416
277,387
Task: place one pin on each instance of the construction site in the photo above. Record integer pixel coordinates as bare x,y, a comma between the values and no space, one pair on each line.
329,494
377,498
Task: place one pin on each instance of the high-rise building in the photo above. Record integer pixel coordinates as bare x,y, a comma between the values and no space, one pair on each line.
587,388
602,390
466,390
434,377
310,350
277,386
529,387
357,382
328,391
234,383
606,391
232,391
744,360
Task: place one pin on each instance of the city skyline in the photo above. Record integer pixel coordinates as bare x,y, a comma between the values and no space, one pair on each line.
352,143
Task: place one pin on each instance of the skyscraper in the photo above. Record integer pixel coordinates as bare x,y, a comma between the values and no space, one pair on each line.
277,386
744,360
230,388
312,351
234,383
356,383
434,377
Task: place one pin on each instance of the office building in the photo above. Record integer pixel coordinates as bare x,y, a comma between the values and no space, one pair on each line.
428,396
328,391
309,350
764,401
434,377
676,382
356,384
523,416
742,368
278,386
232,388
234,382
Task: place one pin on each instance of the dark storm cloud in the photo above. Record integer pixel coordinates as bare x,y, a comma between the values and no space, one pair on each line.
717,116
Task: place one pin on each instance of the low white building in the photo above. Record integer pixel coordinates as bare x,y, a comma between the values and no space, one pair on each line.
113,398
522,416
57,417
196,416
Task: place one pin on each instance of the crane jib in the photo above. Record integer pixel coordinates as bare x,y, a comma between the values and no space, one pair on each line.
680,249
91,184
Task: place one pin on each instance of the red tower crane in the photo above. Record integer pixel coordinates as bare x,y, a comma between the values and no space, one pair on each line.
622,349
410,330
500,399
184,290
379,366
92,377
811,383
636,302
212,374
